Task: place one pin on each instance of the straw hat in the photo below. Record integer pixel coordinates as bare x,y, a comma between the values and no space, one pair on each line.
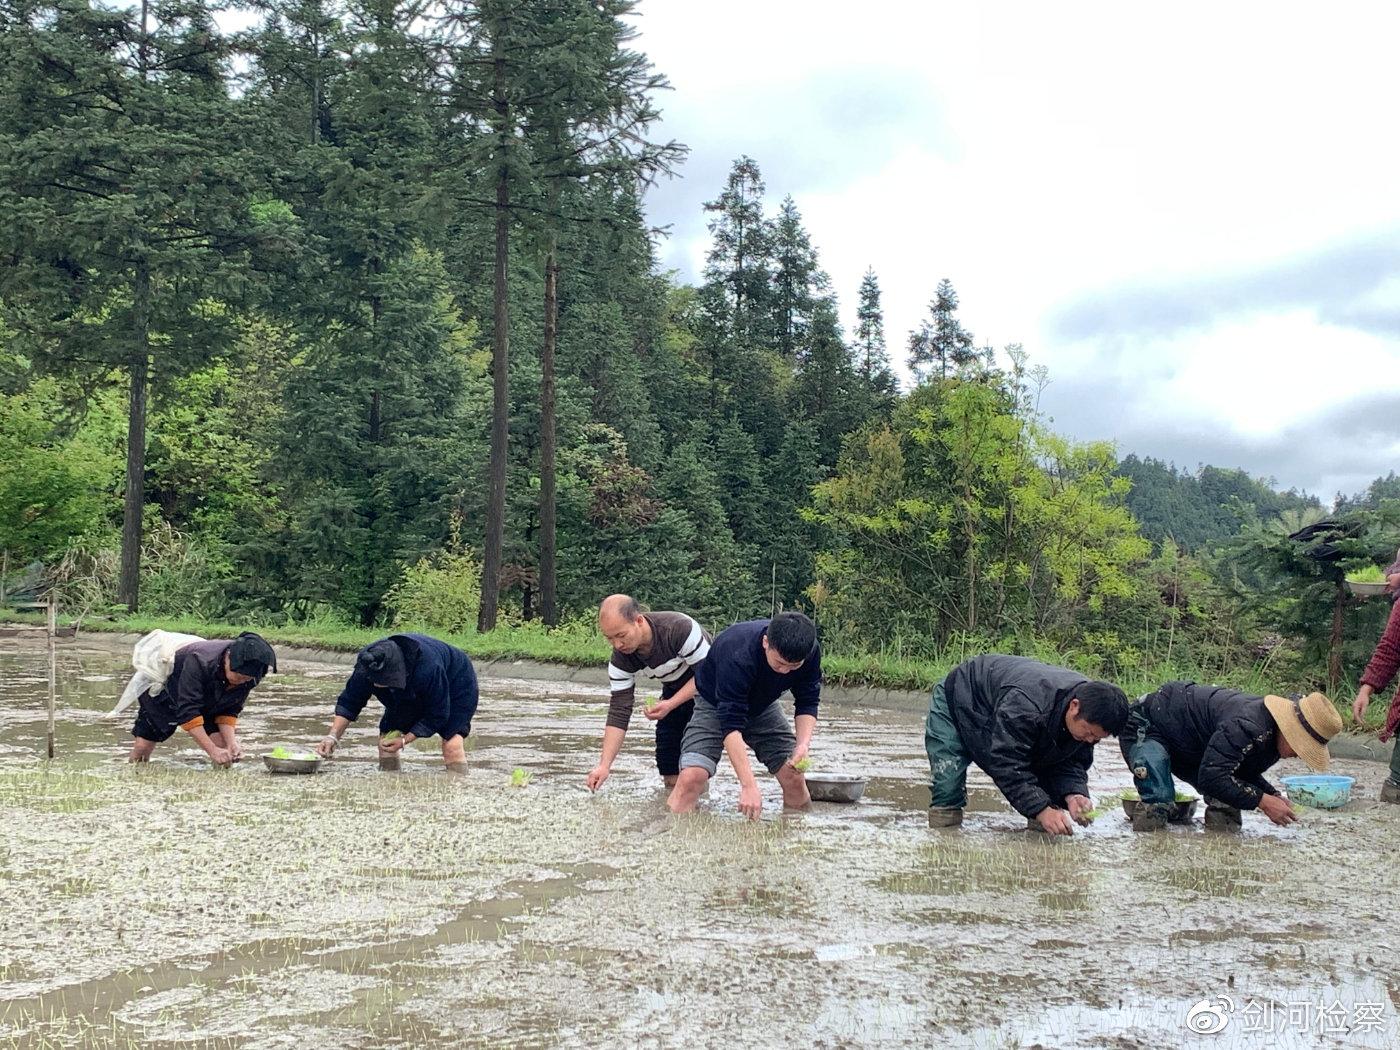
1307,725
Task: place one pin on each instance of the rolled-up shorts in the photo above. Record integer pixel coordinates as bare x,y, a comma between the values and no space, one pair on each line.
767,733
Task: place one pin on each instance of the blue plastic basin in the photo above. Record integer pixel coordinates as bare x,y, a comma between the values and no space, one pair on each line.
1324,792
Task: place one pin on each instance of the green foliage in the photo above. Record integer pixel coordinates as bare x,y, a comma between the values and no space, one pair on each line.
55,481
441,591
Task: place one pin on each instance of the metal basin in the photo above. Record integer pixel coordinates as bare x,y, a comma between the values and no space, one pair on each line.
286,766
835,787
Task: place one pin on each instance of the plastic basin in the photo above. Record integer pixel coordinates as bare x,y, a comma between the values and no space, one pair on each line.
1322,792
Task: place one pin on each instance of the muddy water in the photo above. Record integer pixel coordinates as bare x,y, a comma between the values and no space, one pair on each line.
179,906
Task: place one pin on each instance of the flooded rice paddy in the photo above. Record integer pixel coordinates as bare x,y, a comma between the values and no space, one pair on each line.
177,906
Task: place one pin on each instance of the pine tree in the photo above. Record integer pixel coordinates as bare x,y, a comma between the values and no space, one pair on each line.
798,281
872,357
740,261
941,341
592,106
124,178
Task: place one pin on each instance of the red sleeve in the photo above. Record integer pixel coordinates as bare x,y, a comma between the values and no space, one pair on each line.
1386,659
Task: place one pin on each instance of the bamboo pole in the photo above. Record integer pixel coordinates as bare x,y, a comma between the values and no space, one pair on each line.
53,664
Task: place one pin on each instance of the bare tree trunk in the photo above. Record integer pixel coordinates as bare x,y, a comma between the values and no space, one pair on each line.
548,611
129,585
500,401
1334,654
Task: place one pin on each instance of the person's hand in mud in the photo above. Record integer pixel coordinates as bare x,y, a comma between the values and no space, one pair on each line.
597,776
1054,821
1362,701
1079,807
1278,809
750,800
327,745
220,757
235,750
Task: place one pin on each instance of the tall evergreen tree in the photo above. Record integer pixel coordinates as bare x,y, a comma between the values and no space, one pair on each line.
124,178
740,261
798,281
941,341
872,356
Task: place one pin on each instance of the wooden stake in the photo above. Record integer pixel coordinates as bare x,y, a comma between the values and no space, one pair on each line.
53,664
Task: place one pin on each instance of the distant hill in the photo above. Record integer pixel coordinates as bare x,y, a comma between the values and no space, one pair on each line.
1200,508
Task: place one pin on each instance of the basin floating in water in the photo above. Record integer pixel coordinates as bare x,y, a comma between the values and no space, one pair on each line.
835,787
1322,792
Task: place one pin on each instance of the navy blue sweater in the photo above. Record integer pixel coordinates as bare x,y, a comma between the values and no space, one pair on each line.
440,696
736,678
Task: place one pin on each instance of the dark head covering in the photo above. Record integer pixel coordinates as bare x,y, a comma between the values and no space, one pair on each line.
384,663
250,654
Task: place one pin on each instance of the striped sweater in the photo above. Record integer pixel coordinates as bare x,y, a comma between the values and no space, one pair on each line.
678,645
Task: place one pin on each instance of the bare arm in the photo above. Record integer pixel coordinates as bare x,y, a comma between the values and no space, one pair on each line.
337,730
218,755
750,798
612,744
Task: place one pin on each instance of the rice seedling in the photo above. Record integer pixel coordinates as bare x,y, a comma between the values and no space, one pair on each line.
520,777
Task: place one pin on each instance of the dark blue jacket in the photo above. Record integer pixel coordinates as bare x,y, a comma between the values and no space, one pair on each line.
440,696
1010,713
1220,740
736,678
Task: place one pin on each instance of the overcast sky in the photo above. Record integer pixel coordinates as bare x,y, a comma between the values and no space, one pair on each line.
1189,212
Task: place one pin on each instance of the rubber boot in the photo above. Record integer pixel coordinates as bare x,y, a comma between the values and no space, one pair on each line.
1220,817
944,816
1390,792
1150,818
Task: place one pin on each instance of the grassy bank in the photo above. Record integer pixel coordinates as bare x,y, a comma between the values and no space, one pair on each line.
579,645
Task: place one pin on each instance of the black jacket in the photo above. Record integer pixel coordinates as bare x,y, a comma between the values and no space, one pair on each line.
1010,713
440,696
1220,740
197,690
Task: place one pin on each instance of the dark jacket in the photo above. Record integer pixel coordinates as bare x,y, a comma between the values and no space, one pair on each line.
1220,740
440,696
1010,713
197,692
736,678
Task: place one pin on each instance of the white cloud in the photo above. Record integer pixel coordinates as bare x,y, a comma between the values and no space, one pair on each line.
1044,154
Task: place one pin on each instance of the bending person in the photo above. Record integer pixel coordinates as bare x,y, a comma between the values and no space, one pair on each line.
208,685
749,667
1220,741
663,646
428,688
1029,726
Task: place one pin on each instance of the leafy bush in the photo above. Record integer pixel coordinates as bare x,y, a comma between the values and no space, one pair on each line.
441,591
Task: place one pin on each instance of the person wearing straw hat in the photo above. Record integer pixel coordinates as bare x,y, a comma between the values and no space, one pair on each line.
1220,741
1379,673
428,688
